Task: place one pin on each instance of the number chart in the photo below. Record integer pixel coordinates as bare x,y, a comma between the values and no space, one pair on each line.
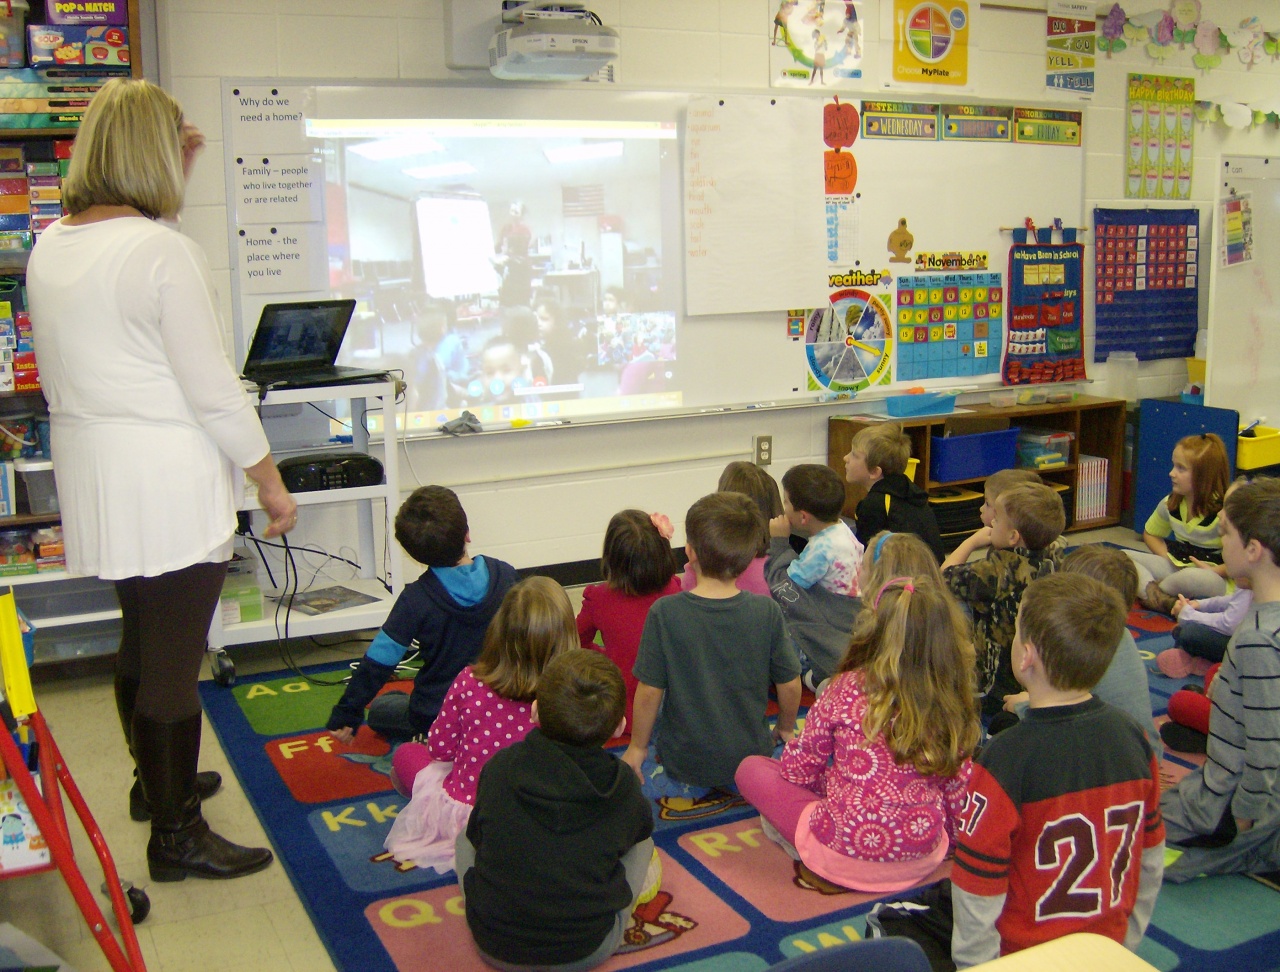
949,325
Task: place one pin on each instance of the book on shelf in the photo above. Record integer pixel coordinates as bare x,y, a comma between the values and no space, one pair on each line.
1091,488
326,599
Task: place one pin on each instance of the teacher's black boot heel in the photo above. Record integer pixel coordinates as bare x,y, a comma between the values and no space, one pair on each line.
181,842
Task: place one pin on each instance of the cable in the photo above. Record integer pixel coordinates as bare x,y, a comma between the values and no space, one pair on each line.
331,418
282,639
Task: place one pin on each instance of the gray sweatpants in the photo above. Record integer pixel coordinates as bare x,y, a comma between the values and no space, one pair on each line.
1255,851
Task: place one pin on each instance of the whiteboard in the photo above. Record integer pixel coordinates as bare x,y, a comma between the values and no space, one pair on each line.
1243,371
292,197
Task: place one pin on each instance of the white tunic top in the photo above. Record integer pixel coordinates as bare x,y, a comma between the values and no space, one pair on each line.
149,424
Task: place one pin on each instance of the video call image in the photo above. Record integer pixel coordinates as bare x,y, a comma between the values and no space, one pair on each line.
513,268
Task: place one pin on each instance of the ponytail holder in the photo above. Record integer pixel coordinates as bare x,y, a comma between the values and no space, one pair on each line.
905,582
663,525
875,552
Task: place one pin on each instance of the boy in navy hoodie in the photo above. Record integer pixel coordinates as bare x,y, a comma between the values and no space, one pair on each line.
445,612
558,849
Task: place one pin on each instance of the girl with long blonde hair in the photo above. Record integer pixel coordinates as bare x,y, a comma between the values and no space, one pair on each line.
867,797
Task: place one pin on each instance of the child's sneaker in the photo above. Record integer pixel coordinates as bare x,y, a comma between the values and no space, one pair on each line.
652,880
1174,663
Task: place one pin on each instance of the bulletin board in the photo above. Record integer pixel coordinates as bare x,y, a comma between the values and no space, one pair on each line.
294,233
1243,371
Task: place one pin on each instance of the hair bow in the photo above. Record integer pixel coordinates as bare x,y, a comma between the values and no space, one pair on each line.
663,525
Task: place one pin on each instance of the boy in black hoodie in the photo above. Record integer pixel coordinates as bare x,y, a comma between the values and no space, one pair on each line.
877,461
445,612
558,848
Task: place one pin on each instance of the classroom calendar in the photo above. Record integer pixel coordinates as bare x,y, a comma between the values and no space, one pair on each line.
949,324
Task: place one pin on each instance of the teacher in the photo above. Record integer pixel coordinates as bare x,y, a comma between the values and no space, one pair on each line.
150,428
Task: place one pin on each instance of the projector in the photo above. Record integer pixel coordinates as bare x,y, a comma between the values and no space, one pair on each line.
551,49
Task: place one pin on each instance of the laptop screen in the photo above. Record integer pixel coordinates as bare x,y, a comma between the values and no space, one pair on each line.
298,336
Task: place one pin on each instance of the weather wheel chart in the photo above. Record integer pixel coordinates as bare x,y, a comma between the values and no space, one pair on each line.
849,342
949,325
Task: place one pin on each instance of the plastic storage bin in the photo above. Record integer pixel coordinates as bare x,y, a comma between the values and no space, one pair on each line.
1258,450
927,403
37,476
66,596
1034,448
977,456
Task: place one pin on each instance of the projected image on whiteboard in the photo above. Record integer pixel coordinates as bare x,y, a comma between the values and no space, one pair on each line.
514,268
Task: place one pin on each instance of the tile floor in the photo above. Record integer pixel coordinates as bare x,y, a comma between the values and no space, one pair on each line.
253,924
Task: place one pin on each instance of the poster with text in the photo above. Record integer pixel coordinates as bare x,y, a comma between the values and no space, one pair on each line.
1070,46
1235,217
931,42
1158,137
814,43
1045,342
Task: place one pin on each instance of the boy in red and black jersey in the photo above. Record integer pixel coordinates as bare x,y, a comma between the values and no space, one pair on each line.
1062,832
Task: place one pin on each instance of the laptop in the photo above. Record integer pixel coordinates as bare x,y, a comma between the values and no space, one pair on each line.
296,344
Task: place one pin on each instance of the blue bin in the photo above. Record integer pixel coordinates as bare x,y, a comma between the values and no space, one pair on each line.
959,457
927,403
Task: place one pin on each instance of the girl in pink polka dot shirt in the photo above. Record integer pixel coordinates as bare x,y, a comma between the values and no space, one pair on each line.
868,795
486,709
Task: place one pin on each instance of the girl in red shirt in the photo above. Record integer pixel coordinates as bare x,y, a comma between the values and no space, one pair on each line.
638,568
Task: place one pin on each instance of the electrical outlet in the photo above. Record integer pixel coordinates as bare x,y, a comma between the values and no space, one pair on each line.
762,449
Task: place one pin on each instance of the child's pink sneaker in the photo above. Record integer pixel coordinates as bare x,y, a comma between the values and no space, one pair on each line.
1175,663
1200,666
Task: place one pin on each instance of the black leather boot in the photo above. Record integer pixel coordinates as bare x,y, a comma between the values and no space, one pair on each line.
181,842
207,784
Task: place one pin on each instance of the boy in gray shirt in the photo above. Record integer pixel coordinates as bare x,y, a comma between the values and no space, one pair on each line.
707,658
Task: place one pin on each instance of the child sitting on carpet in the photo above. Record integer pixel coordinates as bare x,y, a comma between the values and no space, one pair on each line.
1182,533
558,851
707,657
1225,816
812,498
446,611
1025,538
1124,684
638,568
868,796
1062,831
877,462
741,476
486,709
1204,627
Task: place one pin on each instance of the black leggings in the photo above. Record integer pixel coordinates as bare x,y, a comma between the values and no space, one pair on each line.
166,624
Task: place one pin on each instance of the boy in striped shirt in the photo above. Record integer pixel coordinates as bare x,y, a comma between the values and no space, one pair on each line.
1225,817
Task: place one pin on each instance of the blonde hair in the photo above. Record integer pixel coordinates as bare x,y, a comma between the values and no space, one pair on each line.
534,623
916,657
128,152
890,555
884,446
1004,479
1036,512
